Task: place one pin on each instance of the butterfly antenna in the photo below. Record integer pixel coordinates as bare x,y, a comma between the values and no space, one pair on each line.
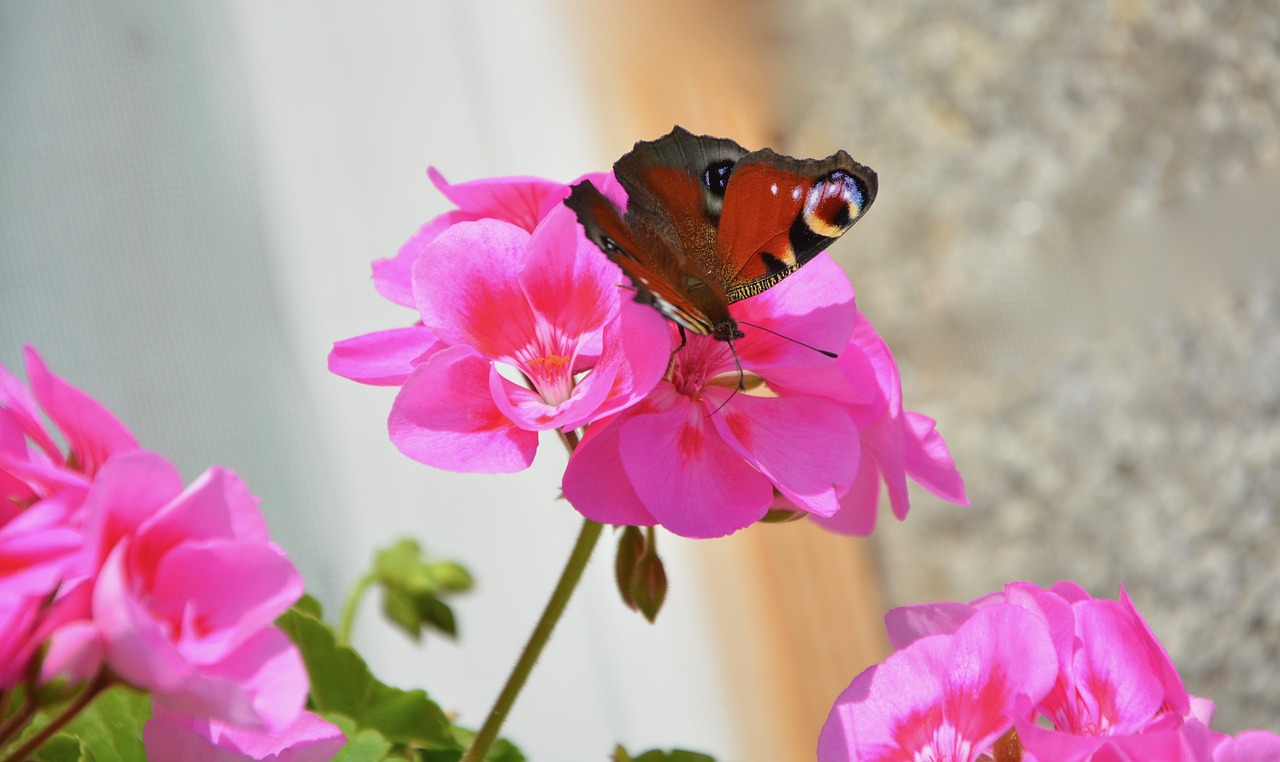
741,381
832,355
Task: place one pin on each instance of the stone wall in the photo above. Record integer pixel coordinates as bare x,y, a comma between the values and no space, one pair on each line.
1074,255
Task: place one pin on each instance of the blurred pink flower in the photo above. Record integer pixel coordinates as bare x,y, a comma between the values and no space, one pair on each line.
704,460
1249,746
189,587
173,737
42,492
32,466
945,696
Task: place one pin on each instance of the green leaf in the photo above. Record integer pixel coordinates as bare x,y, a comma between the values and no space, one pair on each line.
341,683
439,615
362,745
109,729
309,606
412,587
64,748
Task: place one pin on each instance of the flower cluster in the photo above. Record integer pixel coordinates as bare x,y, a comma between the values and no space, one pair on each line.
524,326
1026,673
111,570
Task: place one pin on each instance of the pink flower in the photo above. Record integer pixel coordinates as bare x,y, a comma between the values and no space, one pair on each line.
896,444
384,358
173,737
1249,746
32,465
543,307
704,460
189,587
1115,695
944,697
42,492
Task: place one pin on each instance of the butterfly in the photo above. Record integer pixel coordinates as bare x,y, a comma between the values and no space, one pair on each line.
709,223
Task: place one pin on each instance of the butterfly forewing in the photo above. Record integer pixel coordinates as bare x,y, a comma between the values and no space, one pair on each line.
642,254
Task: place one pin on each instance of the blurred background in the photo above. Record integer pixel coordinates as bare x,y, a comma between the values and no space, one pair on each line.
1074,255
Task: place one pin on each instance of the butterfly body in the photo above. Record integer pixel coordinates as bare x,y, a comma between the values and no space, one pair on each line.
709,223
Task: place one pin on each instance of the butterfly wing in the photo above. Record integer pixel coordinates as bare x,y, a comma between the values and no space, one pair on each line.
675,186
709,223
779,212
644,256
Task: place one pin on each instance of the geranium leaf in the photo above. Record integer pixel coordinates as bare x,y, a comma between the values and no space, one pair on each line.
108,730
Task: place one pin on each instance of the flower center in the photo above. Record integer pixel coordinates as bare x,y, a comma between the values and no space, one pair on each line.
547,362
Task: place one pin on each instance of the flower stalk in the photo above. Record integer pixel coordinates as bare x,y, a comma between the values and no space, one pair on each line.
569,578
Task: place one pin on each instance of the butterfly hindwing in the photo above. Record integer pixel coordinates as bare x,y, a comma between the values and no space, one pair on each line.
780,212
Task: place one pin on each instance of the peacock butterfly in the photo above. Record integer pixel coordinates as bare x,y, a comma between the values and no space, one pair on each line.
709,223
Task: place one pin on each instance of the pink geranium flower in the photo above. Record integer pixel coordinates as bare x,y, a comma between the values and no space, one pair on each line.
189,587
945,696
523,329
703,459
32,465
1115,695
173,737
42,492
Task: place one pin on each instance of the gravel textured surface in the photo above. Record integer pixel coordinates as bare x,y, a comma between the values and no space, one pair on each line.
1074,255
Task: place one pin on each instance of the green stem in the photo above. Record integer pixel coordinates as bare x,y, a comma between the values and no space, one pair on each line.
81,700
488,732
350,606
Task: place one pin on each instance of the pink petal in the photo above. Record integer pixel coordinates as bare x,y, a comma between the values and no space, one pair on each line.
21,408
685,474
1249,746
907,624
858,506
526,408
807,446
93,434
1175,693
595,482
884,443
999,654
813,306
522,201
38,547
444,416
639,342
566,279
217,505
256,584
382,358
1112,673
170,735
928,462
128,490
466,288
75,653
393,276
